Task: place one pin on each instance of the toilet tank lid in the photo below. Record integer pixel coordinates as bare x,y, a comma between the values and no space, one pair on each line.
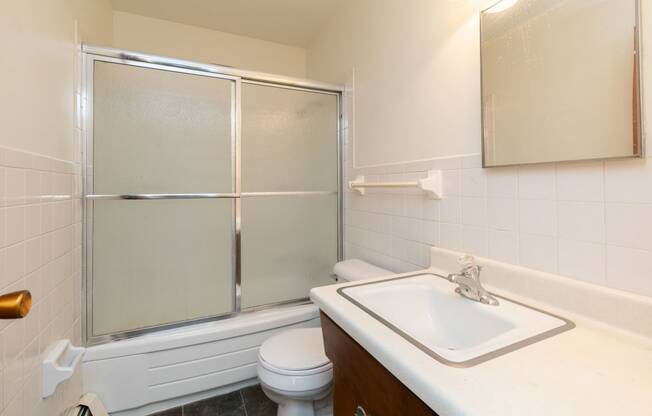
356,269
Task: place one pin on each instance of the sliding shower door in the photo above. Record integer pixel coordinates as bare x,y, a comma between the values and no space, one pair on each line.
205,194
289,192
162,241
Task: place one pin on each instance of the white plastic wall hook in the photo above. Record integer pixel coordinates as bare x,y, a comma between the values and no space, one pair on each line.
59,364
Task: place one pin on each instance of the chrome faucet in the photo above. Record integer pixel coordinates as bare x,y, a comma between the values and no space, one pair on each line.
468,282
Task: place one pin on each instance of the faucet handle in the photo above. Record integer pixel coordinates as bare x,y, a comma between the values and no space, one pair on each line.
469,268
465,261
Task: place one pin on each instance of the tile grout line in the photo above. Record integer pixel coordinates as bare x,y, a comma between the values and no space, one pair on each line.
244,404
517,220
605,248
556,210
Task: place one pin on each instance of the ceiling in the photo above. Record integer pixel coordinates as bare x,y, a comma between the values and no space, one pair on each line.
292,22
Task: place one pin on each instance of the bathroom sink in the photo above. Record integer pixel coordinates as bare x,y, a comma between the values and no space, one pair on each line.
425,310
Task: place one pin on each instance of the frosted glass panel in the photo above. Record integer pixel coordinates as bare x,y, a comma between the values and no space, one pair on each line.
289,245
156,262
160,131
289,140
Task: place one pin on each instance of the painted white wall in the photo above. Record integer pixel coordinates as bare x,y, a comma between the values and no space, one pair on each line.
417,75
417,83
40,242
38,44
162,37
413,104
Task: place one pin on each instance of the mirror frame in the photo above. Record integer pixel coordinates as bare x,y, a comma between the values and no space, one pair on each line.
637,127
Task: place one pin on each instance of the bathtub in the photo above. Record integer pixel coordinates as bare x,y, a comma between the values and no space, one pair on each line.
161,370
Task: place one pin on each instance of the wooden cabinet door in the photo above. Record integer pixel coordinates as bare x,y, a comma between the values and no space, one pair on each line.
359,380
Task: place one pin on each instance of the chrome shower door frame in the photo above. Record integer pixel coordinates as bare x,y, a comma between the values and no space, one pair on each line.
92,54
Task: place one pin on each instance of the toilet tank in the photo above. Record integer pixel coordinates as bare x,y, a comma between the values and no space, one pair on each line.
355,269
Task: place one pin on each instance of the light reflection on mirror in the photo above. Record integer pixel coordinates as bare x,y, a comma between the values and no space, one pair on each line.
501,6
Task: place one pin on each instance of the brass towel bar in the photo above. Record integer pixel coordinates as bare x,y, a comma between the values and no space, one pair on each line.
15,305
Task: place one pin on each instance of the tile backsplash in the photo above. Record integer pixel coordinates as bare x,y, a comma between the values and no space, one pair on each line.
40,250
590,221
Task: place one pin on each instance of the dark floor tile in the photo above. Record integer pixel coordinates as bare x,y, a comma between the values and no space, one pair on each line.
171,412
257,403
226,405
238,412
253,393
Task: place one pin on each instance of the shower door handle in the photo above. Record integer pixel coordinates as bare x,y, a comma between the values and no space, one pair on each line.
15,305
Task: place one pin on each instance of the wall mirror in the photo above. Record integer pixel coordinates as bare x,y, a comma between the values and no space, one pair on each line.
560,81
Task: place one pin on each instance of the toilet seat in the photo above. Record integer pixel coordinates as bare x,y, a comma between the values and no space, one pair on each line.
305,372
299,384
294,361
296,350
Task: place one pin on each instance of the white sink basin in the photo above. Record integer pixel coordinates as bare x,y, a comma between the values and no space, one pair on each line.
426,311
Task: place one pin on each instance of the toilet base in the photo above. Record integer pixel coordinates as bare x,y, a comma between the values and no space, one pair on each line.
293,404
296,408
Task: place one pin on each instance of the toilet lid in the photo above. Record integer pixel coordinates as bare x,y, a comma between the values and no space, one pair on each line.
295,350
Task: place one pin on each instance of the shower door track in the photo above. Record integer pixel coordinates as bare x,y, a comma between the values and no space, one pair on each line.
220,70
91,54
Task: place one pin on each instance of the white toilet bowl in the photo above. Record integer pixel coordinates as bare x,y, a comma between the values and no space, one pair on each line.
294,372
293,369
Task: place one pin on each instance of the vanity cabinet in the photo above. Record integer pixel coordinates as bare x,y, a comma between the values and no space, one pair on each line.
361,385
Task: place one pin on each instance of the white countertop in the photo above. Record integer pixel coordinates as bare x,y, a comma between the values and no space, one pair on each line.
592,369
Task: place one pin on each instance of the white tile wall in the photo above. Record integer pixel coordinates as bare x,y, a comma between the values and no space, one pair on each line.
587,220
40,250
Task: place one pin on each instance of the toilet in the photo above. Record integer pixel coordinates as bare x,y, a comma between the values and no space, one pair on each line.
293,369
